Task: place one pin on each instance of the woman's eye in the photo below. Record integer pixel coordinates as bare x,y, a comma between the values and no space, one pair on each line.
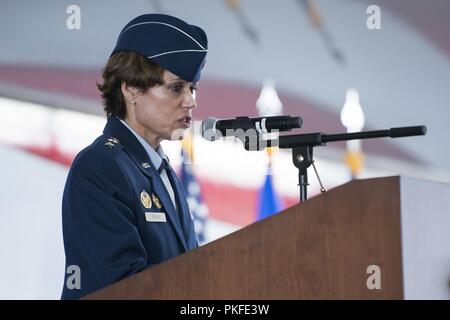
193,89
176,88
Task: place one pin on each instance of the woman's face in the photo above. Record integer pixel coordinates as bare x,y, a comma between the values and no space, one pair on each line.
164,112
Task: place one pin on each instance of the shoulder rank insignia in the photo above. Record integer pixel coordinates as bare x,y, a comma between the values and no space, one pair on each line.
112,142
156,201
145,199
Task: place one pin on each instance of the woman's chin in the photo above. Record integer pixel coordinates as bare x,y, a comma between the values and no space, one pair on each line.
178,134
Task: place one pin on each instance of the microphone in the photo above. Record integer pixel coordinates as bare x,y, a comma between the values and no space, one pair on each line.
213,127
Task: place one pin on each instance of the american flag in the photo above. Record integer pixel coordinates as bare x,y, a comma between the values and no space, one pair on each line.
198,208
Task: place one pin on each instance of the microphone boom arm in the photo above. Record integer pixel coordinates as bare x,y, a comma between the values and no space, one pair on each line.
302,146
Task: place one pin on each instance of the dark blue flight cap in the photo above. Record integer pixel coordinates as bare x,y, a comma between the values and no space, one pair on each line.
170,42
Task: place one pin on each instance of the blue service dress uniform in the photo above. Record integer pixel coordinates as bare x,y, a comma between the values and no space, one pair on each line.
112,191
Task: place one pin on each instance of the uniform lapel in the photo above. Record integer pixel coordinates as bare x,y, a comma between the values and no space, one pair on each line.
115,129
164,196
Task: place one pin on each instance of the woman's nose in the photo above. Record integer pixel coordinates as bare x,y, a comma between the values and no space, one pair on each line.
189,100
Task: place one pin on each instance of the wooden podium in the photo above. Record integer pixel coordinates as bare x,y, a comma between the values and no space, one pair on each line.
320,249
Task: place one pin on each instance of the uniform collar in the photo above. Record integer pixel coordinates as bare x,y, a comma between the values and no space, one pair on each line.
116,129
155,156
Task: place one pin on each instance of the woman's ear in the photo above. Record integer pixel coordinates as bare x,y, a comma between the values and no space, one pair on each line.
130,93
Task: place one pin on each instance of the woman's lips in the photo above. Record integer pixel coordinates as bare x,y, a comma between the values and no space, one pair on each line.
186,121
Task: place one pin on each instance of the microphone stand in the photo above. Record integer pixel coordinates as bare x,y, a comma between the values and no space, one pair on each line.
302,146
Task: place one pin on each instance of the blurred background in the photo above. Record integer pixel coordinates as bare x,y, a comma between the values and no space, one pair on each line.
387,62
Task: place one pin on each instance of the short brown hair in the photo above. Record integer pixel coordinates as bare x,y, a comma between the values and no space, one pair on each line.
132,68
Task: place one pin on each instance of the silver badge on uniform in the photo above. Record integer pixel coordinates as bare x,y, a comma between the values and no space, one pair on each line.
155,216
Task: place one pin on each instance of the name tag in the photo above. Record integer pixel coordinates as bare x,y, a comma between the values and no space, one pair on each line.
155,216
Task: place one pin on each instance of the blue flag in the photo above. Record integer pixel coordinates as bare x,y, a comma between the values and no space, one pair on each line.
198,208
268,203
